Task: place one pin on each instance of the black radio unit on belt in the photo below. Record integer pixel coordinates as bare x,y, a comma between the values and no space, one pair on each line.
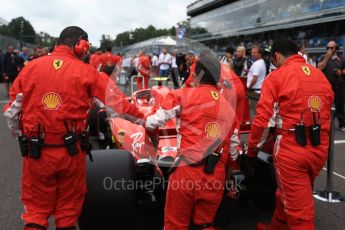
212,156
24,145
314,130
32,146
36,144
70,140
211,162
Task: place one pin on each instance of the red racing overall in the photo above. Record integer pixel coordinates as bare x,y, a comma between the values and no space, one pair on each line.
51,91
235,93
204,115
144,70
287,92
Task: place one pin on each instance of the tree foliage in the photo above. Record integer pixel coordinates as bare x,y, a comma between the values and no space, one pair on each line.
141,34
106,41
18,25
45,40
21,25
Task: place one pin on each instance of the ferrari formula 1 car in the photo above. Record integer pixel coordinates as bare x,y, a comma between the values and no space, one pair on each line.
128,170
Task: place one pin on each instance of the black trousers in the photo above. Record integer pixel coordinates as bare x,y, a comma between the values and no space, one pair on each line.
339,100
175,77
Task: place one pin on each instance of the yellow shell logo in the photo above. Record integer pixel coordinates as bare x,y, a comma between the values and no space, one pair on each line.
120,137
315,103
213,130
215,95
51,100
306,70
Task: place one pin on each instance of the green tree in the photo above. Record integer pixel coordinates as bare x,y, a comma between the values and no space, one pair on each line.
20,24
123,39
45,40
4,30
141,34
106,41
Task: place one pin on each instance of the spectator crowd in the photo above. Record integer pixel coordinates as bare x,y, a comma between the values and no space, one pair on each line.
252,64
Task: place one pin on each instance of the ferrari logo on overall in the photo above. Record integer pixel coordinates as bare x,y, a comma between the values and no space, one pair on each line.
306,70
57,63
215,95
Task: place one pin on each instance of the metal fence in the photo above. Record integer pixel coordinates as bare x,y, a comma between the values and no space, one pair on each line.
6,41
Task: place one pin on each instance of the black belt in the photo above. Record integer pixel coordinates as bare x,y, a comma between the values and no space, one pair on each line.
31,147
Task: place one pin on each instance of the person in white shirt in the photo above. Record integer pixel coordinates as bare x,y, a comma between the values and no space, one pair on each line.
174,73
301,51
164,63
227,58
257,72
126,64
155,65
136,62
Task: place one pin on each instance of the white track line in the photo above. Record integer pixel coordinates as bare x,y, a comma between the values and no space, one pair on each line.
335,173
339,142
4,102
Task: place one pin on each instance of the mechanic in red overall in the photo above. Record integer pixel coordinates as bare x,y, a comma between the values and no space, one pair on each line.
49,103
296,100
95,58
204,120
190,61
144,65
233,90
108,58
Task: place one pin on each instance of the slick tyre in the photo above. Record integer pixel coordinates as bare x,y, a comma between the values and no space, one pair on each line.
111,200
265,185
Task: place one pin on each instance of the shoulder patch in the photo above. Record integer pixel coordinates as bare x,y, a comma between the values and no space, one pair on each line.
215,95
57,63
306,70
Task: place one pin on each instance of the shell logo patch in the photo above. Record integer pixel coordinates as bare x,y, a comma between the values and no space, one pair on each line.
57,63
213,130
315,103
306,70
120,137
51,101
215,95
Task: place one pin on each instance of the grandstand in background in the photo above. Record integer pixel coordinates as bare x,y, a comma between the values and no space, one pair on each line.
220,23
3,22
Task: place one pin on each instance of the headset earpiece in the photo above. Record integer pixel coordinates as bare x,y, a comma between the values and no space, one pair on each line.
82,47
